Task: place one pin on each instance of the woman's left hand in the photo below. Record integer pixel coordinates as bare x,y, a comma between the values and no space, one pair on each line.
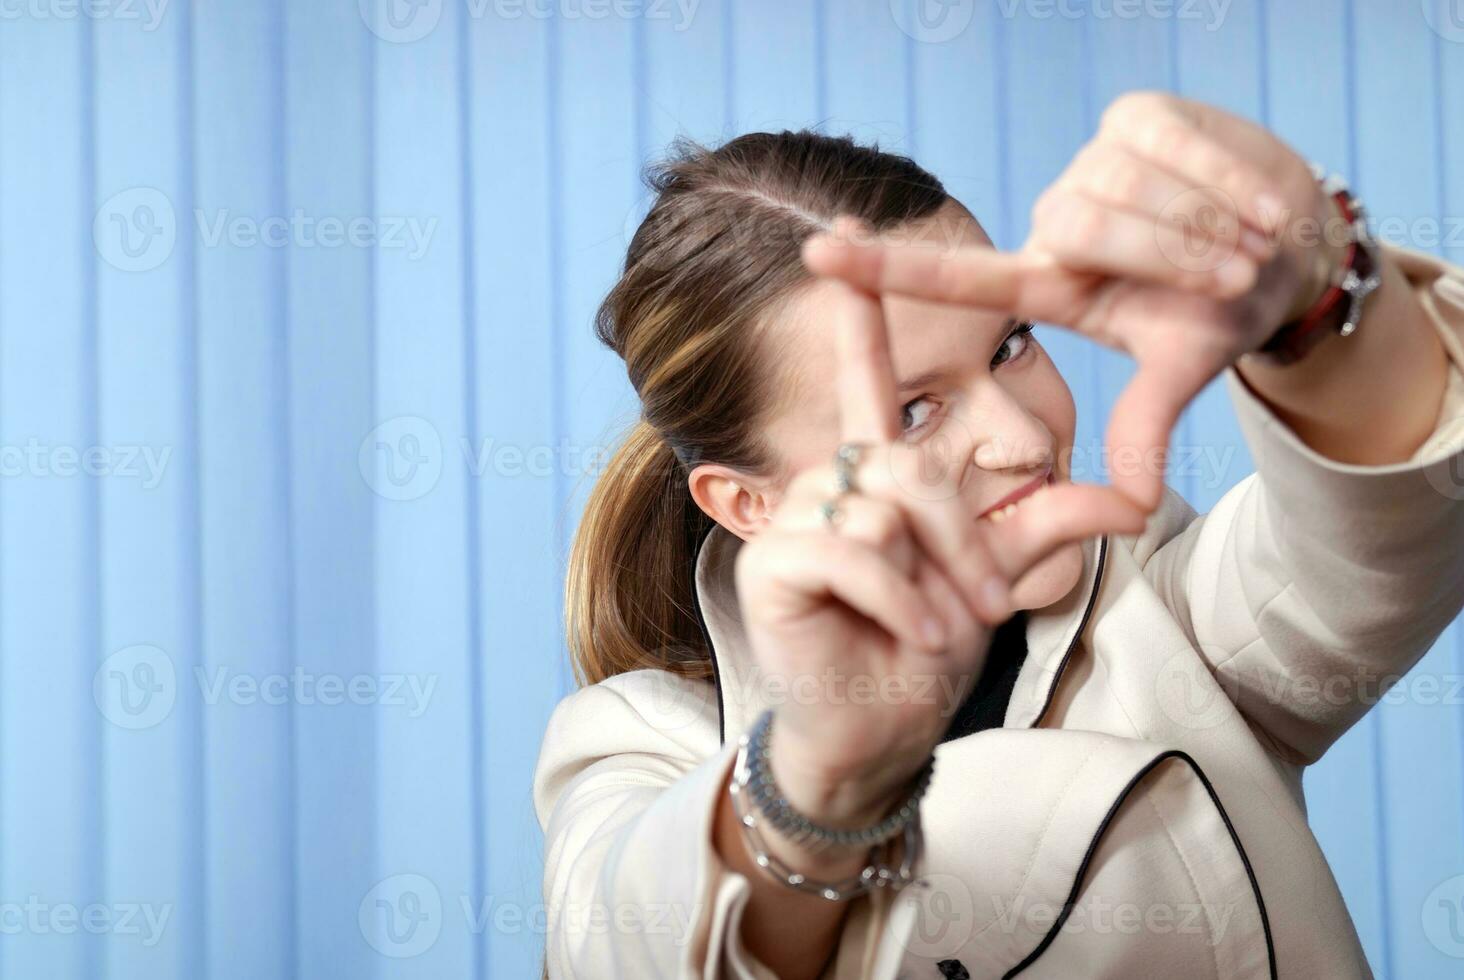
1181,234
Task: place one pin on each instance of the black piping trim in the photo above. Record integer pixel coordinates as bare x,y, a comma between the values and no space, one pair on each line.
1082,625
701,624
1072,898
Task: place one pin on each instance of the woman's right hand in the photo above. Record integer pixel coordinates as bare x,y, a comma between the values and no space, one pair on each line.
879,629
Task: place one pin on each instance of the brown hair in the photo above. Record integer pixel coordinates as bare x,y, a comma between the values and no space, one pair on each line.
715,257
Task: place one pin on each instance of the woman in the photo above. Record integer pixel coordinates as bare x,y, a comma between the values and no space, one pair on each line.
842,552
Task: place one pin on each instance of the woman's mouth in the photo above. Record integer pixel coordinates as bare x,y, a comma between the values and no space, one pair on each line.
1007,506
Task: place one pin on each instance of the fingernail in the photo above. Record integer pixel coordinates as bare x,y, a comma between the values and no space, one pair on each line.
933,632
1255,243
1269,207
1236,274
995,597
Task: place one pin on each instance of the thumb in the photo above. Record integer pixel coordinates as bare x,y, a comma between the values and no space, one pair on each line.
1143,418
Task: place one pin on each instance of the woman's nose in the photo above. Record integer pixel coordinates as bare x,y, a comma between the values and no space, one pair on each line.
1008,437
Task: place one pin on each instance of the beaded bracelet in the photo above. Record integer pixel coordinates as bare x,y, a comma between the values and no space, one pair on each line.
752,779
781,815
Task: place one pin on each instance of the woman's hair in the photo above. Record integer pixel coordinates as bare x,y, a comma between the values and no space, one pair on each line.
715,258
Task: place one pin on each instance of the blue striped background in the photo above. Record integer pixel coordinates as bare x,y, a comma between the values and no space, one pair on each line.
287,532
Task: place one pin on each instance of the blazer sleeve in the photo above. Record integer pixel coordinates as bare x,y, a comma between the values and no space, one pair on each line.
627,784
1314,584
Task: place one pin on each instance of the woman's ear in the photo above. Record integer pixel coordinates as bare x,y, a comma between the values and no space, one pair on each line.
730,497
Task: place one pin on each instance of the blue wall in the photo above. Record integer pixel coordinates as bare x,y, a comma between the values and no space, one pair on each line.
285,502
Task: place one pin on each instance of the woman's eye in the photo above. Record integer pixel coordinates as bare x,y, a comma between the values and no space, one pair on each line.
1015,345
916,413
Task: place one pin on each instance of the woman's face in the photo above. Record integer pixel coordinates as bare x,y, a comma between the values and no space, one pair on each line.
978,394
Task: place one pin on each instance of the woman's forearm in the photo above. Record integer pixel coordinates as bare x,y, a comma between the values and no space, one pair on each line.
1370,398
794,933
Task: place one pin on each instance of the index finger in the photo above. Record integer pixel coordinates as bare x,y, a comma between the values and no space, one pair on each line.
1030,285
869,409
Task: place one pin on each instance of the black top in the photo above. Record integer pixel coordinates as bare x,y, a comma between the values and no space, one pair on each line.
985,707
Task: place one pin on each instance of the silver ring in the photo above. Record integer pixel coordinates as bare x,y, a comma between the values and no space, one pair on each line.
845,459
831,514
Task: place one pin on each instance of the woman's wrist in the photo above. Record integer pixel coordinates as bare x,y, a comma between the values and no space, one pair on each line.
838,846
839,798
839,803
1323,258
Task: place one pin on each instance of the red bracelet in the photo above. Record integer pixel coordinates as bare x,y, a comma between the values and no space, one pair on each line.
1292,340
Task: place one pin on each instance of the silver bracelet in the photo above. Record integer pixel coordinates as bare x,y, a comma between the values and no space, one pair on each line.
779,814
875,874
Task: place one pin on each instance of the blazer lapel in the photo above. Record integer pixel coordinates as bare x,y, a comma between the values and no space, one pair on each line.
1053,633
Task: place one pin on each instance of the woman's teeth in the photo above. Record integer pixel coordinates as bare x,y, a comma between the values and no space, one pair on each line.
1002,513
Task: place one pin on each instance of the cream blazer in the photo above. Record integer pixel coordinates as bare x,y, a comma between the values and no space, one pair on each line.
1139,814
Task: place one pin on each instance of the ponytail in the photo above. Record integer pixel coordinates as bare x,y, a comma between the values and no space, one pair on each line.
629,599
